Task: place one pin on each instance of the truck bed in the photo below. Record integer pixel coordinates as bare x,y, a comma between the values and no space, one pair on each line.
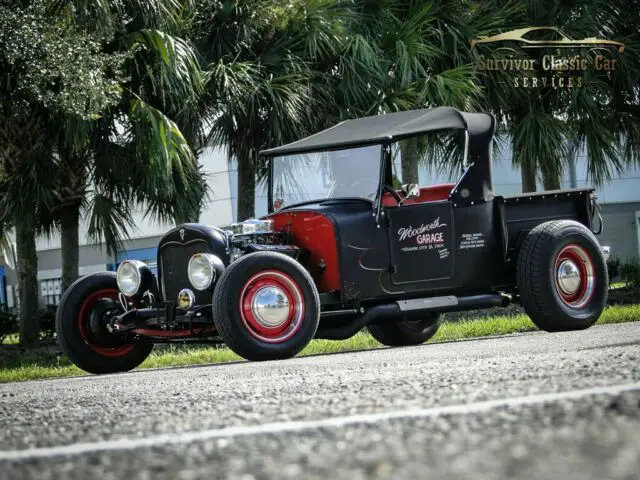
522,213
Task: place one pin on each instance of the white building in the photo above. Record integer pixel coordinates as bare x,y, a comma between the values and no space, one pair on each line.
620,201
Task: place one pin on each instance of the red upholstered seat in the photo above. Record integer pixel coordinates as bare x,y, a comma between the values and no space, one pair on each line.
427,194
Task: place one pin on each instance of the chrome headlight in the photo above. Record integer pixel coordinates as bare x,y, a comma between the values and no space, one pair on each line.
133,276
203,269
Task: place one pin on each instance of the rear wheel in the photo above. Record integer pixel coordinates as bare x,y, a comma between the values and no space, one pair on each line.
562,276
266,306
405,331
81,322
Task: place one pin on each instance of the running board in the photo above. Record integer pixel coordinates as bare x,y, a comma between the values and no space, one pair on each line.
416,306
451,303
427,303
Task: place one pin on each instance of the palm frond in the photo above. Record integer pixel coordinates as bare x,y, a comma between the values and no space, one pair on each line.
165,148
540,138
110,221
168,180
7,252
176,73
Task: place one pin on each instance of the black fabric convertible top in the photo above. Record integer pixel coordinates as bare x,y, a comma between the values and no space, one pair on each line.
388,128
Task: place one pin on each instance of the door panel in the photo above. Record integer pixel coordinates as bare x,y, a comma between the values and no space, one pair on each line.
421,242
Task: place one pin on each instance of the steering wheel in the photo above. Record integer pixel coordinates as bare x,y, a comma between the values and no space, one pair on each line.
392,191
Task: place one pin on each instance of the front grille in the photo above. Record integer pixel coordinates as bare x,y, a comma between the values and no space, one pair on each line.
174,259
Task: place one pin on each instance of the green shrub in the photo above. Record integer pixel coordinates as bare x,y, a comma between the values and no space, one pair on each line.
630,274
47,323
613,267
8,325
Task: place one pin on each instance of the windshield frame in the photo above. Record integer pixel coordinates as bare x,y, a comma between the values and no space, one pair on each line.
374,202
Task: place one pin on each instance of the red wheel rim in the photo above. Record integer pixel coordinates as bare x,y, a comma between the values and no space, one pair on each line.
574,276
271,306
83,324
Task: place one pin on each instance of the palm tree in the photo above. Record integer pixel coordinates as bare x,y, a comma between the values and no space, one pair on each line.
422,61
48,68
545,122
134,155
261,87
278,74
606,116
104,70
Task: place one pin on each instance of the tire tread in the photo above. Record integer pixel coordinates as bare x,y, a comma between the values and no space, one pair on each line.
221,307
77,351
532,265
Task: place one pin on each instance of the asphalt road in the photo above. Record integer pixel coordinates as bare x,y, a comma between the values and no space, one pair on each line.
527,406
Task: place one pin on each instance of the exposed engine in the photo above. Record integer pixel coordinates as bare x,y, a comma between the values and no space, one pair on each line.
245,236
258,236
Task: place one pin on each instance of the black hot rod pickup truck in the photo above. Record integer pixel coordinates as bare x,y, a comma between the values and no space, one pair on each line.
342,250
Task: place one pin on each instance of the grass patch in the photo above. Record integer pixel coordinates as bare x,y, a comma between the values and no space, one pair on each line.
12,339
37,371
31,368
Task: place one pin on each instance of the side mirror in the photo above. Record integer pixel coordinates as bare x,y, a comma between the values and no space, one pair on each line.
411,190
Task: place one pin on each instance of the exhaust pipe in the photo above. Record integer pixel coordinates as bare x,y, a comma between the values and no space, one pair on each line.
411,307
352,327
452,303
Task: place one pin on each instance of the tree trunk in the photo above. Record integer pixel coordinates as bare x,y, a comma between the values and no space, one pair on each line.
528,174
528,164
409,160
551,174
527,168
571,160
246,186
70,249
550,179
27,270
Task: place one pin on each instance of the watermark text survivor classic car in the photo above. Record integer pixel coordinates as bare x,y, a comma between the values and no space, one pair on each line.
352,252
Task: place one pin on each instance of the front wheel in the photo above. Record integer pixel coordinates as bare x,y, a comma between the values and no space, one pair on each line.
405,331
81,322
266,306
562,276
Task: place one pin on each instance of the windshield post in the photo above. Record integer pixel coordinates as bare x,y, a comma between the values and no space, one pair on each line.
385,155
465,161
270,184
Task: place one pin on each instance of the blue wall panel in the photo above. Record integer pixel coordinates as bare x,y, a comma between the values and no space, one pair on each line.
3,294
147,255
